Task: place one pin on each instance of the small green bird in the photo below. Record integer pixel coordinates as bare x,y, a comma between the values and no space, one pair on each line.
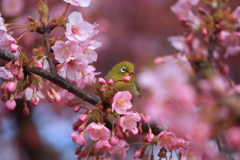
118,72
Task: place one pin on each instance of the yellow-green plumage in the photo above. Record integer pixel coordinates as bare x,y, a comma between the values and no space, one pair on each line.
119,71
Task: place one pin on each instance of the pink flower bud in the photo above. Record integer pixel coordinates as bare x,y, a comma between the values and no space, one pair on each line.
150,136
15,71
145,119
126,79
137,154
76,109
134,131
26,111
14,47
57,97
110,82
113,140
50,97
82,127
10,86
101,81
83,118
35,99
16,63
102,90
8,65
37,64
118,132
10,105
204,31
20,74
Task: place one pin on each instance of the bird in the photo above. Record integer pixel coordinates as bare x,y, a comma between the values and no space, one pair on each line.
117,74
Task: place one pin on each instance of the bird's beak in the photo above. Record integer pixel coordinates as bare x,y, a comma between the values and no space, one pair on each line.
131,73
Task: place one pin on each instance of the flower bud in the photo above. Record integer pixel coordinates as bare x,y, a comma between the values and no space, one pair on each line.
110,82
126,79
57,97
35,99
113,140
137,154
20,74
37,64
82,127
14,47
101,81
26,111
118,132
15,71
10,86
10,105
50,97
83,118
102,90
76,109
150,136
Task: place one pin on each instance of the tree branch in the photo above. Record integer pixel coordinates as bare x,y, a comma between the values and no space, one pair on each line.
56,79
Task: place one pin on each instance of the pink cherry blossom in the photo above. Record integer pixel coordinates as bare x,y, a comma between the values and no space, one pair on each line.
86,76
78,138
166,139
29,93
191,154
119,149
82,3
102,145
236,14
5,74
70,70
2,25
183,11
88,49
129,121
98,132
64,51
122,102
6,42
78,30
231,41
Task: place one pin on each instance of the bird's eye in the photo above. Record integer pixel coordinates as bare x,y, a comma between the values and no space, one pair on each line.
123,69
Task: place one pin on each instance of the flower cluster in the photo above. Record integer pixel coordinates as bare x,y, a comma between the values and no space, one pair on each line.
75,54
123,122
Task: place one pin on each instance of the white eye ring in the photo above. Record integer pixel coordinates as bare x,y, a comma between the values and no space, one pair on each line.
123,69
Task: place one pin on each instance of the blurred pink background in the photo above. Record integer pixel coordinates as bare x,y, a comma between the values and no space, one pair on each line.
132,30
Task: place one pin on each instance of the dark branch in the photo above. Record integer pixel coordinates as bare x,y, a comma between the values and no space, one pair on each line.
56,79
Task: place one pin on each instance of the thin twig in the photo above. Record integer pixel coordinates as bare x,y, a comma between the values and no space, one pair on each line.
48,53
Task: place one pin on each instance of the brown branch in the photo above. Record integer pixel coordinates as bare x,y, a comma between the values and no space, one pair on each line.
56,79
48,52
